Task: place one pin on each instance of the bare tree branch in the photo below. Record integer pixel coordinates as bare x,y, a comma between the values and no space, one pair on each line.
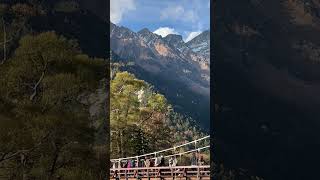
9,40
35,88
145,119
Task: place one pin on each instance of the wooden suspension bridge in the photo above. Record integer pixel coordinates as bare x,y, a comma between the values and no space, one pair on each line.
179,171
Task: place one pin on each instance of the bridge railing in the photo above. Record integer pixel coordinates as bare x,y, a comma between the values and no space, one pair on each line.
164,172
165,150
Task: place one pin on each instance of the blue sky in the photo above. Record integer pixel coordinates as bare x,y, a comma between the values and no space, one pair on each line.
185,17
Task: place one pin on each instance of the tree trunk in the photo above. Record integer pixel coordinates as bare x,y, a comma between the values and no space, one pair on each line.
4,41
54,163
23,163
142,141
121,143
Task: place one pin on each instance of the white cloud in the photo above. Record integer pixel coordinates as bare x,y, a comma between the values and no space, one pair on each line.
191,16
118,8
192,35
178,13
164,31
172,11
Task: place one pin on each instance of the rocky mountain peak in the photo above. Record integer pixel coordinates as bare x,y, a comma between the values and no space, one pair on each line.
144,31
201,44
204,36
173,38
148,36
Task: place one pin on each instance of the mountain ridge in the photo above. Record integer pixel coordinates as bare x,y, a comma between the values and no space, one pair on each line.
167,59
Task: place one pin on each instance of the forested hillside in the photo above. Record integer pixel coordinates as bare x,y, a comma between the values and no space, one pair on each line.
142,120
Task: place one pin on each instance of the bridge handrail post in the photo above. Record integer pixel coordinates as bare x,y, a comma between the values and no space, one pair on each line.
198,172
137,165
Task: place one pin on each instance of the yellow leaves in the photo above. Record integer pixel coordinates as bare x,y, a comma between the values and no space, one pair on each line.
46,63
45,48
125,92
158,102
123,79
135,105
126,107
124,99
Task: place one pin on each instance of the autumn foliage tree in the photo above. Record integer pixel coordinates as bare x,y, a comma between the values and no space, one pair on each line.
137,117
45,129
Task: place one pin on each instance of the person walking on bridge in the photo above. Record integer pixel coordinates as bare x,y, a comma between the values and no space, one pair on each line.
116,175
174,161
170,161
156,161
193,159
133,163
160,163
201,163
147,164
128,164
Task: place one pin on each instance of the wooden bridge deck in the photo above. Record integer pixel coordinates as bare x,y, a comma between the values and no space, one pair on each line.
170,178
177,172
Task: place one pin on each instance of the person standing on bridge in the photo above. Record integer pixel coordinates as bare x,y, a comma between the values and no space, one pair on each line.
156,161
152,162
128,164
147,162
174,161
193,159
201,161
123,164
116,175
159,163
170,161
133,163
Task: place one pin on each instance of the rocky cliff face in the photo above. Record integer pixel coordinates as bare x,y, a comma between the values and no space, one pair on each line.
159,55
168,59
267,80
201,44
